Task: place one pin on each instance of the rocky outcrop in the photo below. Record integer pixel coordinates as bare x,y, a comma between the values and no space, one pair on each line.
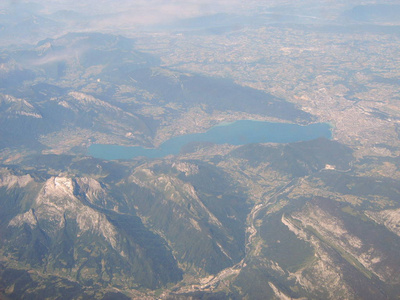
389,218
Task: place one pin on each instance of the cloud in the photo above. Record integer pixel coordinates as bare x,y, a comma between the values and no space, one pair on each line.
50,56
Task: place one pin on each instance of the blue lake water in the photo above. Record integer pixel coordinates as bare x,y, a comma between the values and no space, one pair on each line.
236,133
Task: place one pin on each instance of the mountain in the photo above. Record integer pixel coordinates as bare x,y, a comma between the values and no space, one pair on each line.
313,229
61,231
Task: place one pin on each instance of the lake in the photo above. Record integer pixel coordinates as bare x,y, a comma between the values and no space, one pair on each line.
236,133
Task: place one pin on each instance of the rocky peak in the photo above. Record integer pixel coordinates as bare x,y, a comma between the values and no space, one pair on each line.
57,187
187,168
9,180
91,188
56,202
17,106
